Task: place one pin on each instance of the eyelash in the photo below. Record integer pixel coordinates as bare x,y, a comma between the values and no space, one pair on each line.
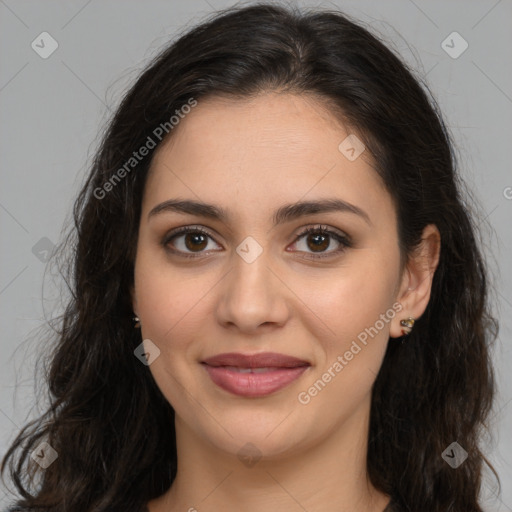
319,230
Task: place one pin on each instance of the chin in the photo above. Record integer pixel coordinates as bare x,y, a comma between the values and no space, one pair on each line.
257,435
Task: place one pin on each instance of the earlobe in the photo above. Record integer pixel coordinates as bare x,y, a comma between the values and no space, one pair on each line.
417,281
135,317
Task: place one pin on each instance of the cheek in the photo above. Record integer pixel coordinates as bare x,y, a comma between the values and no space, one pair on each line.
350,354
350,299
168,303
166,297
353,313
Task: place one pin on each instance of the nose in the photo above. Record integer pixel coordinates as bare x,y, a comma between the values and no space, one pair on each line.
252,296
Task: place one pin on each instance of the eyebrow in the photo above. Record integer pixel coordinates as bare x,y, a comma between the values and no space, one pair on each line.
283,214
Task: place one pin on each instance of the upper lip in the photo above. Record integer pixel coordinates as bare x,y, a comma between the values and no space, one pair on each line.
261,360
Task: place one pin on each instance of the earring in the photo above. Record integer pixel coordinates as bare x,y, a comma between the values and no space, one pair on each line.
136,319
408,323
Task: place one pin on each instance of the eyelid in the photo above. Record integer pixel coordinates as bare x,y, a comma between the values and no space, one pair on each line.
323,228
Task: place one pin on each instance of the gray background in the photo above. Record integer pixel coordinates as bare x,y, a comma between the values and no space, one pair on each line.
53,109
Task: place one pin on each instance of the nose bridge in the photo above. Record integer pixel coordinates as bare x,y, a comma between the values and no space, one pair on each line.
252,277
251,294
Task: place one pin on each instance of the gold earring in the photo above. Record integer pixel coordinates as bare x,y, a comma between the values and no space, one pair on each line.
408,323
136,319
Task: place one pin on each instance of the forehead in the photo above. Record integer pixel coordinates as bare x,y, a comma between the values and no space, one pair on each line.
251,155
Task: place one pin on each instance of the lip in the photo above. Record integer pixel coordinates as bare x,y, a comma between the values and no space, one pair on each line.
254,375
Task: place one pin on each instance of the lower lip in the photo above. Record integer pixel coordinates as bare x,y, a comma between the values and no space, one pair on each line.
253,384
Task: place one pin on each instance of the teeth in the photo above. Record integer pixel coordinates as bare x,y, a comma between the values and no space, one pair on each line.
250,370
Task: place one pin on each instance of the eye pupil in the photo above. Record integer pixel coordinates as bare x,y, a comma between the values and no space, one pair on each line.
319,244
196,237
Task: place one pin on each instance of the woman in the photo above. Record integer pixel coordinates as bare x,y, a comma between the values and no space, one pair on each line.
278,295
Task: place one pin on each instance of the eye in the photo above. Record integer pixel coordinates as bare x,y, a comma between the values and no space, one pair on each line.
319,238
194,239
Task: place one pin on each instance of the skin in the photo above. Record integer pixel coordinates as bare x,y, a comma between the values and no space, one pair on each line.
251,157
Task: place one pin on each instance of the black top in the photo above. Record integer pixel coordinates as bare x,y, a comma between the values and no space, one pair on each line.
16,509
390,508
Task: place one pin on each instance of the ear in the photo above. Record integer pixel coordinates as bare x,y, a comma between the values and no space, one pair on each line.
416,285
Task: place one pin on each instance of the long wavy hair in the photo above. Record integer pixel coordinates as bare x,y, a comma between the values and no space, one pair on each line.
110,424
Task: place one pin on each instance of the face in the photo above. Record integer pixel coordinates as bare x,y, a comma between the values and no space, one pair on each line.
249,283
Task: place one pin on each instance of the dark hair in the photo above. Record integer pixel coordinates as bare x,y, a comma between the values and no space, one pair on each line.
110,424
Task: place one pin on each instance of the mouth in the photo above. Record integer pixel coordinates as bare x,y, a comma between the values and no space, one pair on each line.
255,375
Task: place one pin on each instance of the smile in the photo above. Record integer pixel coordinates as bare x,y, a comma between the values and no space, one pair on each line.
253,382
255,375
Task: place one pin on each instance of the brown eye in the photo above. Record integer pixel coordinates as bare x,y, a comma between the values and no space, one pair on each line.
195,241
191,242
318,242
187,241
318,239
